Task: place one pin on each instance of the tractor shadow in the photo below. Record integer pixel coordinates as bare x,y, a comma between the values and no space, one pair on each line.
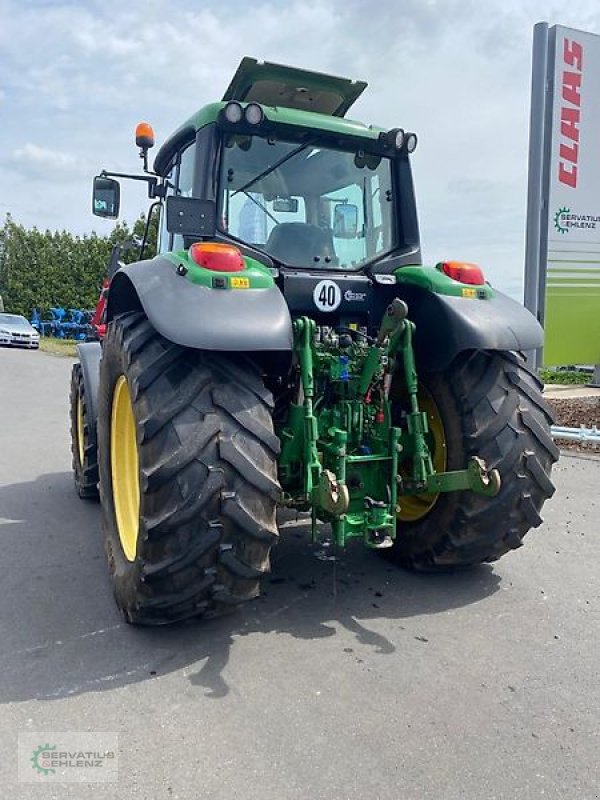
63,636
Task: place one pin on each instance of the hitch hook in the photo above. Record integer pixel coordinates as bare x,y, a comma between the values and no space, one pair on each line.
483,480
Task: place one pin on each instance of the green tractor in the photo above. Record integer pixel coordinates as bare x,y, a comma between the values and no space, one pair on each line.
287,348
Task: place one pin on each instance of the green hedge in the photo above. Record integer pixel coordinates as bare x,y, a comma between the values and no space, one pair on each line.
566,377
56,268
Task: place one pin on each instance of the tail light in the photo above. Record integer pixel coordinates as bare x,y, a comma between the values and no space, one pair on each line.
217,257
462,272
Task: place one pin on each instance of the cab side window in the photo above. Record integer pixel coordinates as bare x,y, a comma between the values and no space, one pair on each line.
180,182
185,183
164,237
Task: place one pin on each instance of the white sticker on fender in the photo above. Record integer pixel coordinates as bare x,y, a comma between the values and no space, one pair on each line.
327,295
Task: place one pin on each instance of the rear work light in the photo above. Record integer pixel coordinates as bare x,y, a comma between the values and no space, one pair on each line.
411,142
233,112
217,257
462,272
254,114
399,139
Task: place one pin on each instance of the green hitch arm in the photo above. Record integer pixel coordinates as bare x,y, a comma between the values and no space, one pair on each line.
304,330
417,420
391,325
395,450
370,367
476,477
393,320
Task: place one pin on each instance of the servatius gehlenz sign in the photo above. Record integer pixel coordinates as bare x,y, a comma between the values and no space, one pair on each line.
569,300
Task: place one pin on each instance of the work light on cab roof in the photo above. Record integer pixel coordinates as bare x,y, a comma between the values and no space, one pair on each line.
399,139
234,113
411,142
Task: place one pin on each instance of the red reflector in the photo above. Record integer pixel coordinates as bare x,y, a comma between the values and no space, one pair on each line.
462,272
217,257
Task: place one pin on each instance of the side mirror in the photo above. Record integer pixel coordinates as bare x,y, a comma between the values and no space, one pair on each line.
345,221
106,197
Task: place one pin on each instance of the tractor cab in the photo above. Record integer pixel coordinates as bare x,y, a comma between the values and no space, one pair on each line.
277,169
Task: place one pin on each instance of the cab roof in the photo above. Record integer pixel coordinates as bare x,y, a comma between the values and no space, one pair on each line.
289,96
287,87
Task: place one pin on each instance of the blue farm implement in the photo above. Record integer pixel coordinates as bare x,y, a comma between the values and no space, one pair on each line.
72,323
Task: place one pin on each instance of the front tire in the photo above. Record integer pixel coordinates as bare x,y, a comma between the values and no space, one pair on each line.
84,447
204,470
491,406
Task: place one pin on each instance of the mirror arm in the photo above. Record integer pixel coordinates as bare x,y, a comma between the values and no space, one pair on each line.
154,188
147,178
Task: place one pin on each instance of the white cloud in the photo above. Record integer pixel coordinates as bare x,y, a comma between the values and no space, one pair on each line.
36,161
77,77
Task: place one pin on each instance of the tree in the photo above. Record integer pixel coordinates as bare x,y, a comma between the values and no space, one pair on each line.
56,268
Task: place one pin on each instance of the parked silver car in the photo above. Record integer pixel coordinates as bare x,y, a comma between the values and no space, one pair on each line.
16,330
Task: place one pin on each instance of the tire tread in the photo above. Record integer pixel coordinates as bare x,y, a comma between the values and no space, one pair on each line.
85,474
512,433
206,446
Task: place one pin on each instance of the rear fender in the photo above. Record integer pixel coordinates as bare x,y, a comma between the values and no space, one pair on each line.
447,326
90,354
193,315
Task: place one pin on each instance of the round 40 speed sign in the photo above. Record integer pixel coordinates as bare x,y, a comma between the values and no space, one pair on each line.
327,295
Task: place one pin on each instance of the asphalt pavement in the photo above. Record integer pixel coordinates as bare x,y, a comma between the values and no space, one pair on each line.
348,679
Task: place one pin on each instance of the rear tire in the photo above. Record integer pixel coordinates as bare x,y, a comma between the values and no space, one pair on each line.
207,476
491,406
84,447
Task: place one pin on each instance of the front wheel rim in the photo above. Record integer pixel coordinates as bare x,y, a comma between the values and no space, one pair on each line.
80,429
124,465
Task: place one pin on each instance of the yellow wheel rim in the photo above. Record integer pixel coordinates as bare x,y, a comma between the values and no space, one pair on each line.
80,434
415,507
124,468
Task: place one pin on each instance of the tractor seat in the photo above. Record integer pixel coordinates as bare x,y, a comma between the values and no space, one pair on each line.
299,244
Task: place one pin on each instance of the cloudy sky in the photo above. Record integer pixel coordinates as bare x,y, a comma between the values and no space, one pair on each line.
75,78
